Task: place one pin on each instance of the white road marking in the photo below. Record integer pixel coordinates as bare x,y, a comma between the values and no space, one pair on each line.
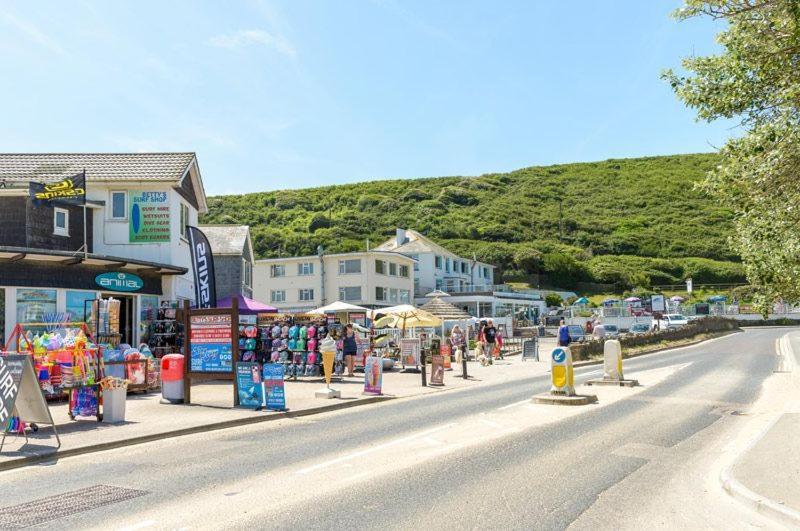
515,404
490,423
140,525
373,449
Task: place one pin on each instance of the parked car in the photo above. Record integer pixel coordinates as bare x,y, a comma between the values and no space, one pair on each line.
639,328
671,320
576,333
612,331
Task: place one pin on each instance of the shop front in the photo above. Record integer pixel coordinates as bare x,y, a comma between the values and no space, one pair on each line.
116,296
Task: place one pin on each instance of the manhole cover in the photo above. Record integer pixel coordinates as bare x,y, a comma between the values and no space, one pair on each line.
54,507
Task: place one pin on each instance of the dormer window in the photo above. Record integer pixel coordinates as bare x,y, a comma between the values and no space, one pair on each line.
61,222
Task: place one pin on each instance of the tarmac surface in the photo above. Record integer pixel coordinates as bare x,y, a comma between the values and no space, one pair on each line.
477,457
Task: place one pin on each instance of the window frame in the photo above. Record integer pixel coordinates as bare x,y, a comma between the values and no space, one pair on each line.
438,261
392,266
401,269
303,271
382,269
343,266
184,221
60,231
343,294
384,297
274,292
309,292
275,267
110,211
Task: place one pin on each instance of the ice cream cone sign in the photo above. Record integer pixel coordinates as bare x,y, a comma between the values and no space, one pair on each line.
328,349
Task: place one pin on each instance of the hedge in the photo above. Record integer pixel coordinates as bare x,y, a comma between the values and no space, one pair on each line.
585,351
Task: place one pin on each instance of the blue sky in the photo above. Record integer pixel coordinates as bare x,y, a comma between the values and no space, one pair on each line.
298,93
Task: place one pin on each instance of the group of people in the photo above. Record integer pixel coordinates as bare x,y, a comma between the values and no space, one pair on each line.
488,342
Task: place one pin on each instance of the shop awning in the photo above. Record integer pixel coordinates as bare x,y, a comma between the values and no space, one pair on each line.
67,259
338,307
247,306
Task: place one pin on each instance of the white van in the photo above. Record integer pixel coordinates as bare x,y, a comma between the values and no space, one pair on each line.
670,320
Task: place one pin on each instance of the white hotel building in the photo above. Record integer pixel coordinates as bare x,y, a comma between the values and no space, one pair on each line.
370,278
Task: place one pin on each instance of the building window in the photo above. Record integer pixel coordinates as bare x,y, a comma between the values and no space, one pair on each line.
305,269
393,295
439,283
404,271
447,265
416,261
405,296
34,304
119,205
381,294
349,267
75,304
247,273
464,267
485,272
277,295
277,270
60,222
305,295
393,269
380,267
184,221
350,293
438,261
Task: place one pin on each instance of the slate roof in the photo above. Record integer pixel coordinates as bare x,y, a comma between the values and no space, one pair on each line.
99,166
226,239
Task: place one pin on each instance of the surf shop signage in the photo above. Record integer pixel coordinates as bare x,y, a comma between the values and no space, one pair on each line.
119,281
149,216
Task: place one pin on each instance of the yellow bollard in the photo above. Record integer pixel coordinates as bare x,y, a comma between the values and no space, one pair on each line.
563,378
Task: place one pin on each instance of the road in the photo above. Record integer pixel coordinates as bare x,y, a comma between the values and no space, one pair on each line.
482,457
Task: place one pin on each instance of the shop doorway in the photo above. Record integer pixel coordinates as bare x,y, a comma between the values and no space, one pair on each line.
126,317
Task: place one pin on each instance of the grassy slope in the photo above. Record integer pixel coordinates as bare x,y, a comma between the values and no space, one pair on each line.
645,207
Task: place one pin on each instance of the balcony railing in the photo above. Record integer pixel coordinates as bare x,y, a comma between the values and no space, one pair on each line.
421,291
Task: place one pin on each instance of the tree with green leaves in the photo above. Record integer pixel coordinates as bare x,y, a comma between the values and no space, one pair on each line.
756,80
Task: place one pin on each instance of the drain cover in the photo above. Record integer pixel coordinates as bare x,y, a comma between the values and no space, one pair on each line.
54,507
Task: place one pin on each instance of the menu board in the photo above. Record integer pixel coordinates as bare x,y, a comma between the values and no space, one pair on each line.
248,379
210,343
373,375
410,351
274,391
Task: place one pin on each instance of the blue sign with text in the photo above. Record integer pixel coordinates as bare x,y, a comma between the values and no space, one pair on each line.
273,386
119,281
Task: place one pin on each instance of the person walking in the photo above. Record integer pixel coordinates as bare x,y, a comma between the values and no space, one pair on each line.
457,343
563,334
479,354
350,349
490,336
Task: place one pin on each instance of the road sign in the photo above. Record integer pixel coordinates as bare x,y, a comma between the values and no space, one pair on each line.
563,379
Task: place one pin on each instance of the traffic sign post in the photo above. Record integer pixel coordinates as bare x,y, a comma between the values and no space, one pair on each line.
562,379
612,367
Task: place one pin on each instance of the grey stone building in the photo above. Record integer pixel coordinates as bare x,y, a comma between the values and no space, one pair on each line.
233,259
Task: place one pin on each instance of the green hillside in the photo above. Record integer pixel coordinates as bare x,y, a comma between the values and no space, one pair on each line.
630,222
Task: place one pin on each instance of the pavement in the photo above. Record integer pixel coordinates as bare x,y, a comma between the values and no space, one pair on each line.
765,474
212,408
480,457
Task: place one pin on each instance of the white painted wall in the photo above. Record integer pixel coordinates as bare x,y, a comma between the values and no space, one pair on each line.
368,279
111,237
